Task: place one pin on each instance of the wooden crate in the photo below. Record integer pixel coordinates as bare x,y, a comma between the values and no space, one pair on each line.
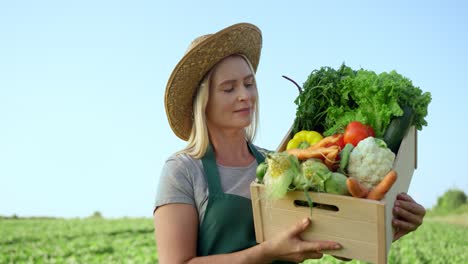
363,227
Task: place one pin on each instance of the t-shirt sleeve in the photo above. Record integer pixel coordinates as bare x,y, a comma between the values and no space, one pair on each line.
175,184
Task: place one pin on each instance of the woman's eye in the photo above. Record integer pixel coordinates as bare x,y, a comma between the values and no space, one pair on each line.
228,90
249,85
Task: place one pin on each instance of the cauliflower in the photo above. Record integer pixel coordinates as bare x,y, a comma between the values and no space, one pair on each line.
370,161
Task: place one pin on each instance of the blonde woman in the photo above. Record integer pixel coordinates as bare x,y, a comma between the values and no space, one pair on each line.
203,212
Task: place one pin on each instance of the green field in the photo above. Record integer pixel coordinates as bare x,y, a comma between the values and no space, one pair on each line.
438,240
77,241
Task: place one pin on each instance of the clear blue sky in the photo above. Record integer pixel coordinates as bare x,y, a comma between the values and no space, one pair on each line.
82,120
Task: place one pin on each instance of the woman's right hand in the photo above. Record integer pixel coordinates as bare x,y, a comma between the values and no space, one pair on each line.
290,247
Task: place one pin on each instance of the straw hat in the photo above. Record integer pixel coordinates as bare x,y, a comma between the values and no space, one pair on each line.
203,53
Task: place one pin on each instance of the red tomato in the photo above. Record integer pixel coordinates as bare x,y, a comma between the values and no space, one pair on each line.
371,131
357,131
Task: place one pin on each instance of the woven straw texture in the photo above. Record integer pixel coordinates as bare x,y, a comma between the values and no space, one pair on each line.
203,53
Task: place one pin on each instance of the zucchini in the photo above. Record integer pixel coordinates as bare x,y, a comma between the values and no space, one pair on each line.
398,128
344,157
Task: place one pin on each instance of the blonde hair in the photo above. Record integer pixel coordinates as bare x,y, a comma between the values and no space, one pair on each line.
199,139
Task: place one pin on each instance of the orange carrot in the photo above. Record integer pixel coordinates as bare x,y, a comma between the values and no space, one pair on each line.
327,141
382,188
330,159
355,188
318,153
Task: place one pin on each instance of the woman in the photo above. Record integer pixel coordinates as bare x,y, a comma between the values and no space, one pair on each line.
203,211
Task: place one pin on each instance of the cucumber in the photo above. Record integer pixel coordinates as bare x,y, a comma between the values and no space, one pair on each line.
398,128
344,157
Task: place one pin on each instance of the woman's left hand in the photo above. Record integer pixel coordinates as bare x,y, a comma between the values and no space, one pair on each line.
407,215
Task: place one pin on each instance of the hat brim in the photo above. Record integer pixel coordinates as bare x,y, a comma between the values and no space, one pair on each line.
243,38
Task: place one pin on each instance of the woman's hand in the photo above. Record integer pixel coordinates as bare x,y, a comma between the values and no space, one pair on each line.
407,215
290,247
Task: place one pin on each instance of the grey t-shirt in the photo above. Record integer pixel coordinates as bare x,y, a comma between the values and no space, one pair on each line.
183,180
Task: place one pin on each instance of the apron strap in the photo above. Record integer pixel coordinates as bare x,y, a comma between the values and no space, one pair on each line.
211,168
258,156
211,171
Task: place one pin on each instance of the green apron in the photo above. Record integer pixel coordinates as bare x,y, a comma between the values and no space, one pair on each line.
228,224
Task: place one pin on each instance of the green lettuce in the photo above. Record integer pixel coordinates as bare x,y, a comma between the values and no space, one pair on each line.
333,98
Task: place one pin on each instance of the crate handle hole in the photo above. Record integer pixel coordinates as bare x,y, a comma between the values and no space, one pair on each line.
328,207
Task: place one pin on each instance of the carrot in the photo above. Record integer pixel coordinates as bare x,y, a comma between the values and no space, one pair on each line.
384,185
355,188
330,159
327,141
318,153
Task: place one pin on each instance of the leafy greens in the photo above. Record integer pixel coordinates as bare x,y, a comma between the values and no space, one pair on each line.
332,98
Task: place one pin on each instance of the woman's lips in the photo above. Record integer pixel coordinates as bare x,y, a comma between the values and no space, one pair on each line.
243,110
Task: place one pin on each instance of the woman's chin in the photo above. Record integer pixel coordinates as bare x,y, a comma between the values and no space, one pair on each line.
241,124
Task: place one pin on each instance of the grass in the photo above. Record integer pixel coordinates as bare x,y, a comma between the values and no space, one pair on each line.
77,241
441,239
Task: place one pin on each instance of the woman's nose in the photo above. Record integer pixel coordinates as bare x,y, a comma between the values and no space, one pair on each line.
244,94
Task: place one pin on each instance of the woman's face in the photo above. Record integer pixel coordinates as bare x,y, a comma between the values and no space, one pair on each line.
233,95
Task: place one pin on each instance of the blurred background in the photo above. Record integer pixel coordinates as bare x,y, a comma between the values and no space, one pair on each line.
82,121
83,130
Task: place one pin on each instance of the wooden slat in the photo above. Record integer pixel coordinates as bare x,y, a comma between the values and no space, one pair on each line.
257,213
351,248
324,225
349,207
404,166
381,232
415,149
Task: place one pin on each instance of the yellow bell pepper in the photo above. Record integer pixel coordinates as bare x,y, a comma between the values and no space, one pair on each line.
303,139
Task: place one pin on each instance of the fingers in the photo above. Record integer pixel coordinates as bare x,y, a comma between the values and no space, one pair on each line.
300,227
411,206
313,255
398,234
404,226
297,249
300,257
307,255
405,197
408,216
312,245
312,250
321,245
